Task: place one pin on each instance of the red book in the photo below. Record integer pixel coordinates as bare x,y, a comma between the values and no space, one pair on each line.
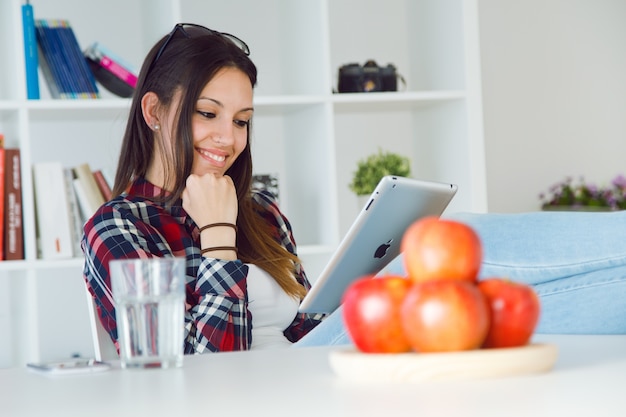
13,233
103,185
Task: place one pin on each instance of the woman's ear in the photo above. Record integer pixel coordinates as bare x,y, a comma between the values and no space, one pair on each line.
149,109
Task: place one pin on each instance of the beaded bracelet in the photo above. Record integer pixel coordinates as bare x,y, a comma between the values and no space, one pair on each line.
233,248
208,226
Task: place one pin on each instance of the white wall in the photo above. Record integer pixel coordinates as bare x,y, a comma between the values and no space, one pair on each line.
554,95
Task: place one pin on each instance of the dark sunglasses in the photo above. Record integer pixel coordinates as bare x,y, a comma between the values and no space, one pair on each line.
181,26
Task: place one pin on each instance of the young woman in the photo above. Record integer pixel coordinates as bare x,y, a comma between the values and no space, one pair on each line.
183,187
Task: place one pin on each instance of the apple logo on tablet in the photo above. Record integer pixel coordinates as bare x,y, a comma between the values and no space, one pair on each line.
381,251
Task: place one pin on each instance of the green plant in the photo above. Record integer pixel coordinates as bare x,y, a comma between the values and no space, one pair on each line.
371,169
581,194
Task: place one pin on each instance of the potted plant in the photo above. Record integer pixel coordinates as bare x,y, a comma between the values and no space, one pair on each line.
581,196
371,169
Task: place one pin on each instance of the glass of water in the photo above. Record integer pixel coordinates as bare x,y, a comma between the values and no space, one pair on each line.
149,297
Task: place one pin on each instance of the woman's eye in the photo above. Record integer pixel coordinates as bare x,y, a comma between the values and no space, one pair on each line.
206,114
242,123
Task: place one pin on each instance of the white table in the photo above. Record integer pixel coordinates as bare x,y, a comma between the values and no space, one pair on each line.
589,379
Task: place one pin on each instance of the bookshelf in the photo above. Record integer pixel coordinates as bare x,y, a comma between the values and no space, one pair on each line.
308,136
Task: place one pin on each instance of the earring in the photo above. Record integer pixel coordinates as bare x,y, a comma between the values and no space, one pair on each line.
156,127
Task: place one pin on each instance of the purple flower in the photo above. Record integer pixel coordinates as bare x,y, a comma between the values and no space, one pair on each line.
580,194
619,182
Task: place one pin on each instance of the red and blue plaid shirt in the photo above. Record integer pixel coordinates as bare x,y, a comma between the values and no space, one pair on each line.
216,317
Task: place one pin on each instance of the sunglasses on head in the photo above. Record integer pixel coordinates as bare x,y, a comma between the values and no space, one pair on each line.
182,28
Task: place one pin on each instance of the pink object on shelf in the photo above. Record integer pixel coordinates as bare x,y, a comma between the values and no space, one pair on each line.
118,70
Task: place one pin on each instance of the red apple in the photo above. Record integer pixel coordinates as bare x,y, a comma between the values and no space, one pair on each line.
371,313
514,310
445,316
437,249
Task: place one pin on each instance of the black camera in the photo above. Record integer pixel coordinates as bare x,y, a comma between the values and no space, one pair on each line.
356,78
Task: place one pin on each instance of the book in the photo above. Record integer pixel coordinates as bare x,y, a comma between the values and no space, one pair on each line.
63,37
83,75
53,65
53,28
112,62
121,72
127,66
111,71
82,199
50,29
103,184
49,67
63,65
31,59
13,221
54,236
76,219
87,192
109,177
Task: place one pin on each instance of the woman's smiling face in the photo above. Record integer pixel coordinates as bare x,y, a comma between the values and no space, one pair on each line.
220,122
219,126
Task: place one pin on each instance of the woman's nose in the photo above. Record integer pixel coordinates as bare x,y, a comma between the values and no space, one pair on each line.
225,134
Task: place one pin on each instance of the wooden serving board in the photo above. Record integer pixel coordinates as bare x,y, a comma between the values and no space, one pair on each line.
417,367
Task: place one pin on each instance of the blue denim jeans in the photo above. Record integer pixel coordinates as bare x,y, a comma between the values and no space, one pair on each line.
575,261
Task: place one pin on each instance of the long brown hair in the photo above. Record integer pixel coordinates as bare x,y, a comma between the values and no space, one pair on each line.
186,64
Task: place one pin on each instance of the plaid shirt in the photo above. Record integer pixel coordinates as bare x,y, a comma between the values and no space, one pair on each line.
216,317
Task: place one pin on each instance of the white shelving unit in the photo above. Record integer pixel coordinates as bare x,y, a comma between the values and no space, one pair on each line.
303,132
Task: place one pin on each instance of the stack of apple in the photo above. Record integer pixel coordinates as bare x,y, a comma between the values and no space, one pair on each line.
440,306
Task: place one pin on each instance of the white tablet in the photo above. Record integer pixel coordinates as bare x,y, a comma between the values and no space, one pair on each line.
374,238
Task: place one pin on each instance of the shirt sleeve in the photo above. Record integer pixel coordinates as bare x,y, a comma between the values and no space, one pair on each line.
219,319
216,316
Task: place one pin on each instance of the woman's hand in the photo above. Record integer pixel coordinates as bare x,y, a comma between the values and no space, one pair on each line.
210,199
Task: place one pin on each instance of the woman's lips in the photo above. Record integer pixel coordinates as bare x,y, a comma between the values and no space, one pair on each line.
212,156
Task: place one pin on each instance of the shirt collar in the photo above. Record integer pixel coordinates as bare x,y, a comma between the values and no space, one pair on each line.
143,188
